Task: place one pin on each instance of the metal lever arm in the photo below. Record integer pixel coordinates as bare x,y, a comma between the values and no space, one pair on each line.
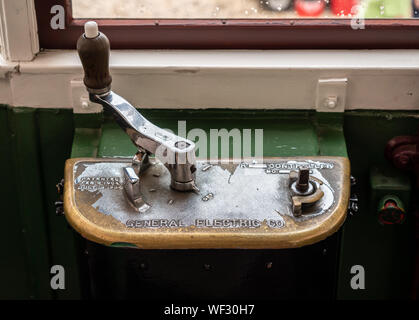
176,153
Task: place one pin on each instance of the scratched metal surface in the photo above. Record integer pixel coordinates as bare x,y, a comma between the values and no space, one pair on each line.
242,195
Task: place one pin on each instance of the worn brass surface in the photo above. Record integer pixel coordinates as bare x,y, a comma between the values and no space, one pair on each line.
295,232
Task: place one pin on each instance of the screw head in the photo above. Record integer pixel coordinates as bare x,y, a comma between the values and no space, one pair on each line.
331,102
182,145
143,266
84,105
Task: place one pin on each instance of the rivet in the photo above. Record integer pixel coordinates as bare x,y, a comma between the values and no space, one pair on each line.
331,102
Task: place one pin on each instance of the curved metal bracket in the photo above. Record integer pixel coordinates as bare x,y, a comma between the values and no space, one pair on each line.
305,190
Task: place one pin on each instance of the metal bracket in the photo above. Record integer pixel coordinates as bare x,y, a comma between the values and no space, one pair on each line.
132,187
80,98
132,190
331,95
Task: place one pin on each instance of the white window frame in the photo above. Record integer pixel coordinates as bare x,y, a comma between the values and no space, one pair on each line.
18,30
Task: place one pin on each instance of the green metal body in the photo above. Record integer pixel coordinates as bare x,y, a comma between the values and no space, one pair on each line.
36,142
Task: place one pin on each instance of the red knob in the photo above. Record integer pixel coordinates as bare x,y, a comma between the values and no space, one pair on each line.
391,211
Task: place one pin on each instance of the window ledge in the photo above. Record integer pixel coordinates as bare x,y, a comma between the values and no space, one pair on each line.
133,61
248,79
6,67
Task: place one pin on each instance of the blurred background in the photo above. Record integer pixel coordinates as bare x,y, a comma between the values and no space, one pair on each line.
245,9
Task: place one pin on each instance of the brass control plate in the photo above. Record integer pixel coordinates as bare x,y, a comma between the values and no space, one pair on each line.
239,205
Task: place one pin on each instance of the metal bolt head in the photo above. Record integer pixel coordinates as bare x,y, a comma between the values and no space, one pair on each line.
143,266
59,207
303,180
182,145
84,105
60,187
354,207
331,102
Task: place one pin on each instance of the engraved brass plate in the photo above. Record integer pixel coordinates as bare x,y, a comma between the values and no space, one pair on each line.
242,205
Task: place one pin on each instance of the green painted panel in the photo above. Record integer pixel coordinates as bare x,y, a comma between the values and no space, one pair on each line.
284,133
14,279
330,133
55,138
37,142
384,251
29,196
85,143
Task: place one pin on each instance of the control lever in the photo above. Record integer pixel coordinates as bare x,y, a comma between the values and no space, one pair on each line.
176,153
305,190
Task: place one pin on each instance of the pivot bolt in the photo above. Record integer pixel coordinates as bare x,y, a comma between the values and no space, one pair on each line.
331,102
303,180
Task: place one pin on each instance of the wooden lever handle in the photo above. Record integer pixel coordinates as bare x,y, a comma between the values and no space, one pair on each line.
94,51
